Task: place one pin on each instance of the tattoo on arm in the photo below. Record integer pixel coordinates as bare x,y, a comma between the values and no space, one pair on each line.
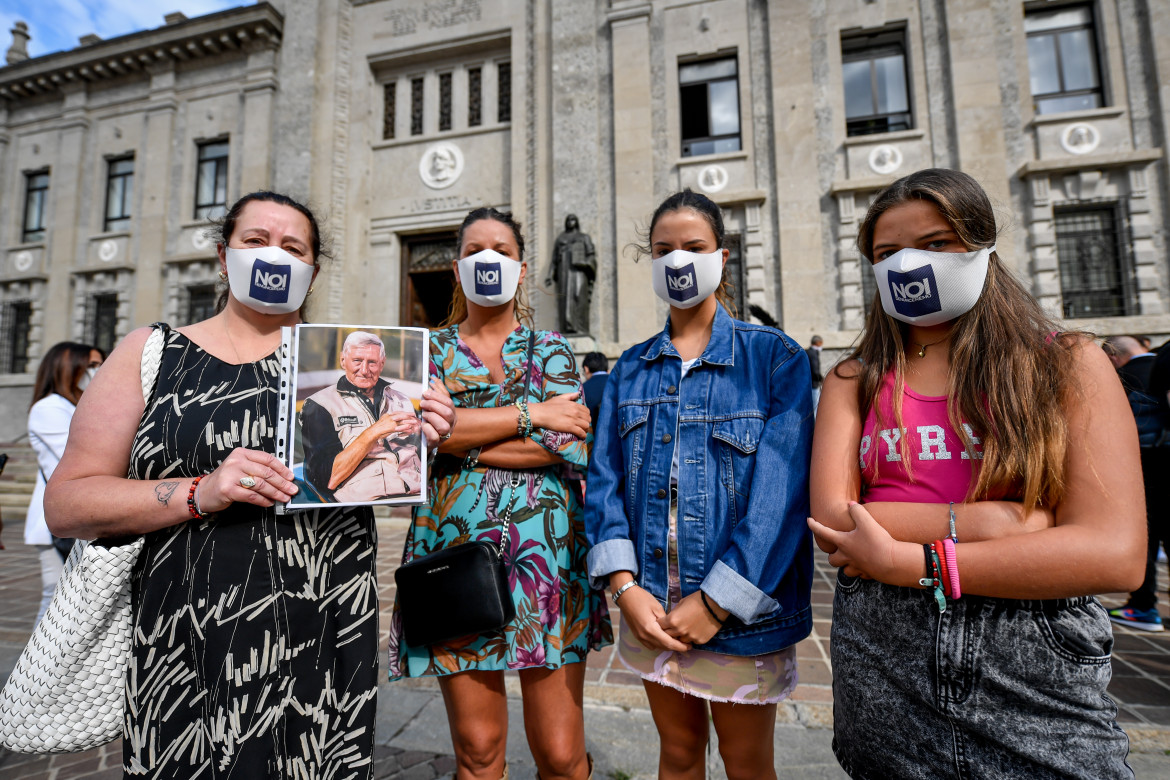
164,491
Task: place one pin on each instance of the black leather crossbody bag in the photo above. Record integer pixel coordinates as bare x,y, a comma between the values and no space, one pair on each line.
459,590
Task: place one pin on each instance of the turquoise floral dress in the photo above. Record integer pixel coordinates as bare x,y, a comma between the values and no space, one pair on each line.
559,618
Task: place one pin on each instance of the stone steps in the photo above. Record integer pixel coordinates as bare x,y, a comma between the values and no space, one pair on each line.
18,479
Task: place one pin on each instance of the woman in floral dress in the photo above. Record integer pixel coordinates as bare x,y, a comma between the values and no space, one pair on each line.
504,456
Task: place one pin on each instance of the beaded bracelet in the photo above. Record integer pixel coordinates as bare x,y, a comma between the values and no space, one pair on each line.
952,567
943,574
932,579
707,604
524,421
192,507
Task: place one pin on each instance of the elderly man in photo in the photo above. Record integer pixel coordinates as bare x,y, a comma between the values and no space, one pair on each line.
361,436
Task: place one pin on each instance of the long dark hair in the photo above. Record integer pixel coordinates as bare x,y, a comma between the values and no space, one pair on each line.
1010,376
458,311
61,369
222,229
708,210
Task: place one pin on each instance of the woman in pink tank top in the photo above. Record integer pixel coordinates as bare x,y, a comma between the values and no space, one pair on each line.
976,479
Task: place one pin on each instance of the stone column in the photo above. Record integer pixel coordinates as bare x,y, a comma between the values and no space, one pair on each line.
801,263
633,157
258,142
63,243
978,111
155,164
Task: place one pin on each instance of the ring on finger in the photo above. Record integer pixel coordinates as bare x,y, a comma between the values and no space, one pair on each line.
248,481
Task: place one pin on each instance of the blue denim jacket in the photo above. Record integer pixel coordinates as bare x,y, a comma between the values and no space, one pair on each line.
744,434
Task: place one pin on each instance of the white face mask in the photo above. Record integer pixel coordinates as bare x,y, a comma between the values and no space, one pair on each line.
685,279
488,277
930,288
83,383
268,279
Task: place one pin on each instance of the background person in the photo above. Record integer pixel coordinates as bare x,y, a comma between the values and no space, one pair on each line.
245,662
506,459
65,371
1135,365
814,364
595,369
361,436
698,488
971,399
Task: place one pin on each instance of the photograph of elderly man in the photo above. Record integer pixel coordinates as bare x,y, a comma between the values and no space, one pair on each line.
360,435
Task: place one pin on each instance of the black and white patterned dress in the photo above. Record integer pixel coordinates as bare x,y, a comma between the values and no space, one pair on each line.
256,635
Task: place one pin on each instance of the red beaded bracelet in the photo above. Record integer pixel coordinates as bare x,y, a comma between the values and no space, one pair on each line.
192,507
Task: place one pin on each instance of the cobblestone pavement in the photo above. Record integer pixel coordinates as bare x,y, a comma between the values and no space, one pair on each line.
1141,673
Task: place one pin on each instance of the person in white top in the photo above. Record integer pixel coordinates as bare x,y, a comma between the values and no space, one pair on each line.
61,379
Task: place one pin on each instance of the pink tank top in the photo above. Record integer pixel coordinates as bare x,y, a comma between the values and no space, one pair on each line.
942,469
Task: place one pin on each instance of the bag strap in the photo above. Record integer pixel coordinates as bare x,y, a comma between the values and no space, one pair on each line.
151,361
528,373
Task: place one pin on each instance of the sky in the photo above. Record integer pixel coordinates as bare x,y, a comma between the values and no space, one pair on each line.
55,25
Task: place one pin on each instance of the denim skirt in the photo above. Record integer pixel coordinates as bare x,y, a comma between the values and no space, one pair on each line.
991,688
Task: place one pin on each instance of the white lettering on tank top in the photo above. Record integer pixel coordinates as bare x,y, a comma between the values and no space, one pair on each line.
865,442
891,436
975,442
933,437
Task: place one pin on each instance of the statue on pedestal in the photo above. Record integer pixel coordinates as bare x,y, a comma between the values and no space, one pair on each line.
573,269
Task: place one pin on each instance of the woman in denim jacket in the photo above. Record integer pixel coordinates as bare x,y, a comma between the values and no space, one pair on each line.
695,492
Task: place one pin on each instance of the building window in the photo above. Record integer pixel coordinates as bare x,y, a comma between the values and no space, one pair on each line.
119,193
201,300
389,96
444,101
36,195
102,321
504,92
733,274
709,106
877,96
211,180
474,97
1062,59
17,321
1095,279
416,106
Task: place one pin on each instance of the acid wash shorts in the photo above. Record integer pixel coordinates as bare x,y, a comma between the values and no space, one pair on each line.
991,688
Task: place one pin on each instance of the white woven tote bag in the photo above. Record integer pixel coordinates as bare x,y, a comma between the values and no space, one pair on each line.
66,692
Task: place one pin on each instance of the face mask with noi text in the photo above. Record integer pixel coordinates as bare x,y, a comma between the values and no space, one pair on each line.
489,278
267,279
685,279
929,288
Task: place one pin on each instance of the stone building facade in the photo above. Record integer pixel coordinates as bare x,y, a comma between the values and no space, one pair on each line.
393,118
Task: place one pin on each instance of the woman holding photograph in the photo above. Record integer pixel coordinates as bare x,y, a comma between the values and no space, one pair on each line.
521,423
245,659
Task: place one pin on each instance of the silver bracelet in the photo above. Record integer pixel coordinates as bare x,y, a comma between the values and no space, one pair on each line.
617,594
954,537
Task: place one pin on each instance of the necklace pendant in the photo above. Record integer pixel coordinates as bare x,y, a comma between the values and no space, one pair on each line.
922,351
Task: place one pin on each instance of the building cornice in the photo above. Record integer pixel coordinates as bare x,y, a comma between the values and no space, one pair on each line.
237,29
1090,161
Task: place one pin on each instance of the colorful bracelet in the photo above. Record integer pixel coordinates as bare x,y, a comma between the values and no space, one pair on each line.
524,421
707,604
952,567
932,580
943,574
192,506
